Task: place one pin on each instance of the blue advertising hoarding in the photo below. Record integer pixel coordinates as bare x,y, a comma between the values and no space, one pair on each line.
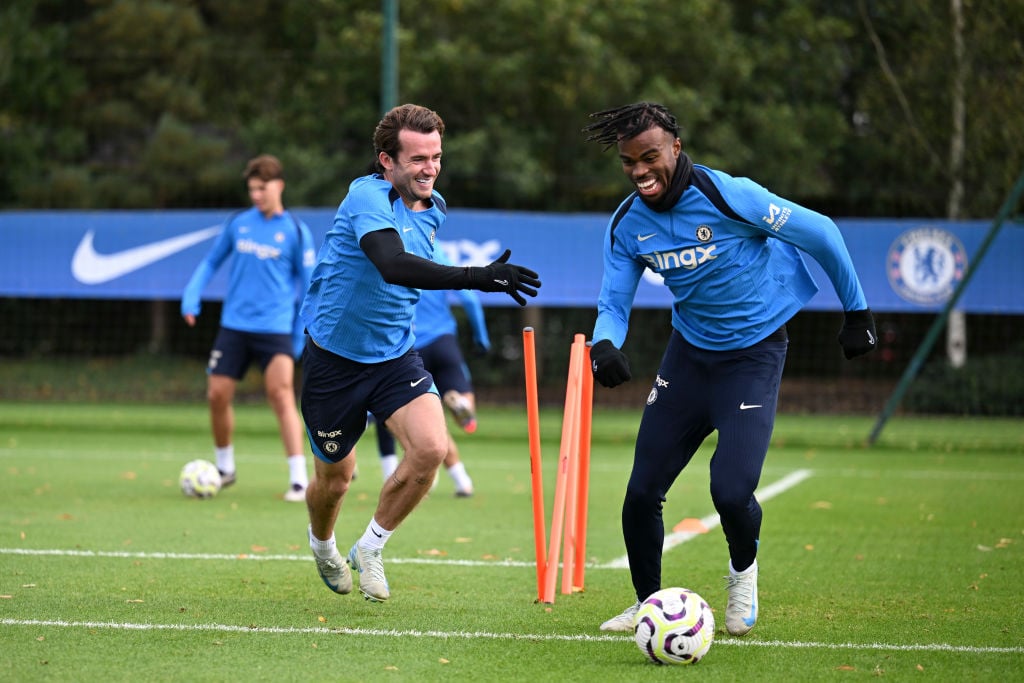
905,265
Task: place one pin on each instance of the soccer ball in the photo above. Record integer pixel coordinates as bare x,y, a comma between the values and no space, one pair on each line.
674,626
199,479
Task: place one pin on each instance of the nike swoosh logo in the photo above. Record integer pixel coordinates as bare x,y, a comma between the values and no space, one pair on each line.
92,268
644,238
748,406
416,383
406,229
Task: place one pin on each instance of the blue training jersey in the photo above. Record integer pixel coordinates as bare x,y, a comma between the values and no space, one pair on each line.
349,309
434,317
272,264
728,252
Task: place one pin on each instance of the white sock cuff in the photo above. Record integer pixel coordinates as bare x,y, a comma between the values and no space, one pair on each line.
375,536
322,549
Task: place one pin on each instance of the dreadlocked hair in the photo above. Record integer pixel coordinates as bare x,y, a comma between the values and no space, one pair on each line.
623,123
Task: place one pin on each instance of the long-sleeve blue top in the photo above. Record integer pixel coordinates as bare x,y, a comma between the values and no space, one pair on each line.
729,251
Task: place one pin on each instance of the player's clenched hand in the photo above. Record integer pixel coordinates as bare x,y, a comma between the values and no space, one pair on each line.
501,276
858,334
611,367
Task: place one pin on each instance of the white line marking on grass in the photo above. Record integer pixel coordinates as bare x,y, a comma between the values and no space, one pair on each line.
475,635
248,556
671,541
711,521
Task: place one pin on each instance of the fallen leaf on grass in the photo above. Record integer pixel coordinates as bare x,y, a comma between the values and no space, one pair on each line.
135,600
258,548
1004,542
130,476
845,667
433,552
463,539
322,619
442,660
391,667
821,505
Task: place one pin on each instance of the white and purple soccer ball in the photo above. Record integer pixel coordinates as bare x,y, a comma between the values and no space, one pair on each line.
674,626
199,479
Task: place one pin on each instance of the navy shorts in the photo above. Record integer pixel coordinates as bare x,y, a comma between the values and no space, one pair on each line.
337,393
233,351
443,359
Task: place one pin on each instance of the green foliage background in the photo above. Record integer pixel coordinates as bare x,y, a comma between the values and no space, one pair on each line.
158,103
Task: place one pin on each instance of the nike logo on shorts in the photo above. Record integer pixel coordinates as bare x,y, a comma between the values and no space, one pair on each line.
748,406
416,383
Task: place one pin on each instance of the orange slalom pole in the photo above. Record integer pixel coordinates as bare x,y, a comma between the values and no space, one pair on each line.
569,542
586,418
561,484
536,474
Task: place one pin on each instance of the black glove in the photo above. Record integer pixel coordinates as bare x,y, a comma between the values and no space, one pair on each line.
858,334
501,276
611,367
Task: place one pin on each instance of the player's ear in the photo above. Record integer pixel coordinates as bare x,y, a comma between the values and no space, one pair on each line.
385,161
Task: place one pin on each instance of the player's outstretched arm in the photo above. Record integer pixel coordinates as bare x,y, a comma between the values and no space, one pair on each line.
398,267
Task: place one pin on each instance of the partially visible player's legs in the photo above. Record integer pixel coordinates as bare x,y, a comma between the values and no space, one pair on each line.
457,471
324,496
673,426
420,428
278,378
443,359
386,448
220,393
462,406
743,404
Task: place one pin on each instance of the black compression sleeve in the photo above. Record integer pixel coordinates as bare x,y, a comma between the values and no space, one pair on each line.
398,267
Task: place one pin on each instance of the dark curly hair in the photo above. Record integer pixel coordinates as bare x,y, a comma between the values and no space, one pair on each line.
623,123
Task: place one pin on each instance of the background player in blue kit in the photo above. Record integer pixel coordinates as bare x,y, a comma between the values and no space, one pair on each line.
729,251
273,260
359,358
437,343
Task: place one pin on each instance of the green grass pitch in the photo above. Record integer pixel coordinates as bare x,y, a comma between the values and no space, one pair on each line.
904,561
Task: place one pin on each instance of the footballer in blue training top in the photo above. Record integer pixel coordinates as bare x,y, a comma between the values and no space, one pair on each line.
273,256
359,359
730,252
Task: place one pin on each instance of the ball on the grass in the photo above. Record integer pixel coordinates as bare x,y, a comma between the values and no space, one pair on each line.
199,479
674,626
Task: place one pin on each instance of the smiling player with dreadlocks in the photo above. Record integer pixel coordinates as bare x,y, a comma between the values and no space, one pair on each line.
729,251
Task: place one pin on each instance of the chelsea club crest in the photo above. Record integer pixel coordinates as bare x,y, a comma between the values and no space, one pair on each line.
926,264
